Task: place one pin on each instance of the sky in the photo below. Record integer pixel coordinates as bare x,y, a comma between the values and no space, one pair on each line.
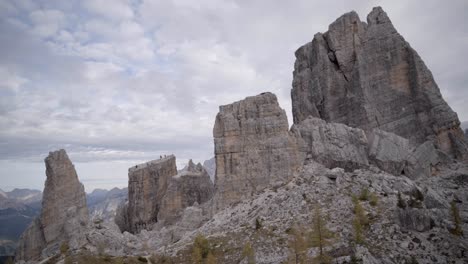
120,82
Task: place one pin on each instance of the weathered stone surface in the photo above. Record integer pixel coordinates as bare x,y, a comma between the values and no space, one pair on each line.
253,148
189,187
366,75
333,144
64,214
147,185
421,160
388,151
415,219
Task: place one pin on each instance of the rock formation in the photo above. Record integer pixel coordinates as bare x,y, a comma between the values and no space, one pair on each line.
366,75
157,193
147,185
64,214
189,187
253,148
333,144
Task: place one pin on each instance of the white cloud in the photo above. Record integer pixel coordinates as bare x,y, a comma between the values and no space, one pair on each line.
111,9
46,23
124,81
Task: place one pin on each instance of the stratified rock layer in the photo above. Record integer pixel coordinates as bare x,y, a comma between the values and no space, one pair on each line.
368,76
147,185
64,214
189,187
253,148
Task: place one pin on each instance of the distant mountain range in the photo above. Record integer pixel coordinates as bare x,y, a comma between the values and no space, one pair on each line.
17,209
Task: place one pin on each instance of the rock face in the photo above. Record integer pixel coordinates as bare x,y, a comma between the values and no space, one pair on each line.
366,75
147,185
333,144
185,189
253,148
64,213
388,151
157,193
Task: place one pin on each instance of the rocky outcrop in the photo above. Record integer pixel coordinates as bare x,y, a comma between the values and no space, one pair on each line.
253,148
388,151
158,193
189,187
147,185
64,214
366,75
333,144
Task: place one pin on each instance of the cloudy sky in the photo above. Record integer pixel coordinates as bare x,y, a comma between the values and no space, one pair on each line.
119,82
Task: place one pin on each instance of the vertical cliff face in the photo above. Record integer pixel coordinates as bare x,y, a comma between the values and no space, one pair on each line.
147,185
64,212
189,187
253,148
366,75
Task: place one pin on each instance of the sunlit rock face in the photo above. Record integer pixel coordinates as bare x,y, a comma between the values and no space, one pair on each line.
253,148
64,214
366,75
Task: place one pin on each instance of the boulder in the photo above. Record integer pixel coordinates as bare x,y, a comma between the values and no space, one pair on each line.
253,148
388,151
366,75
333,144
415,219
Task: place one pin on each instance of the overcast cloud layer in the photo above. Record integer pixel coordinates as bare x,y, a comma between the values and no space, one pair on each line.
119,82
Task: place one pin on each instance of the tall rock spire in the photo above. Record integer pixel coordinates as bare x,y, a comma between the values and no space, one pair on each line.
366,75
64,213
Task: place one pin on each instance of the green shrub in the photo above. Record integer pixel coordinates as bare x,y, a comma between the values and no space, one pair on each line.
320,236
364,196
201,250
249,253
142,259
373,199
258,223
64,247
456,219
401,203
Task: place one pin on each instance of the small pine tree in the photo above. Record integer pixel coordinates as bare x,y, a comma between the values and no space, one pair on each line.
373,199
413,260
210,259
320,236
401,203
258,223
197,256
357,226
360,221
364,196
64,247
297,247
9,261
456,219
200,249
249,253
361,214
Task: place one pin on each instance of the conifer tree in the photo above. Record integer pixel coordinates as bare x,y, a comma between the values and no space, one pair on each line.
320,236
248,253
297,246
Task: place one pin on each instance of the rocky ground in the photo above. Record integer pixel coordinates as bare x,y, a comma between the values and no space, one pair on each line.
422,231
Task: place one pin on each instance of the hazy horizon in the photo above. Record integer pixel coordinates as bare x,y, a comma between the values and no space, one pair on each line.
118,83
